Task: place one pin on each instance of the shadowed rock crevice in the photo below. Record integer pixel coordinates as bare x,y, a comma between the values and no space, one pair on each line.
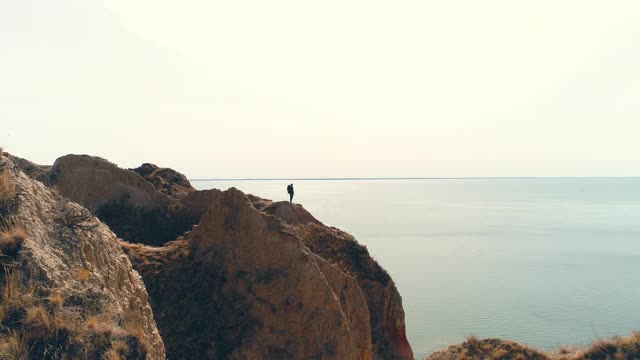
198,314
151,225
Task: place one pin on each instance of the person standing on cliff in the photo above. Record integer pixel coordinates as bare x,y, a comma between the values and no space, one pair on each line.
290,192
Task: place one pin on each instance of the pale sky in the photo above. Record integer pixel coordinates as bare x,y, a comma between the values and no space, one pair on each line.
227,89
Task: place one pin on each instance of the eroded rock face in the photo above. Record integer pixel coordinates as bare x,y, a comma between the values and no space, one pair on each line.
165,180
300,314
266,296
78,256
130,205
93,181
342,250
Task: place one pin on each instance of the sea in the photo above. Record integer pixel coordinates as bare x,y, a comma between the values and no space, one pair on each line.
541,261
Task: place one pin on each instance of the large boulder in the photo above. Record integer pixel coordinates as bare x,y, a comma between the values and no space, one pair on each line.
69,292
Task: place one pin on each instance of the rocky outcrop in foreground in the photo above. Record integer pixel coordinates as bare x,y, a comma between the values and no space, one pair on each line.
68,290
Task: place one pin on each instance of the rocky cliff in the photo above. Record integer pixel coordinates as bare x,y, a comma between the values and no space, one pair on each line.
249,279
68,290
254,279
343,251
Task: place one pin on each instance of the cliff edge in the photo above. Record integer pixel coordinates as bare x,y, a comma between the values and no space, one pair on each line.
343,251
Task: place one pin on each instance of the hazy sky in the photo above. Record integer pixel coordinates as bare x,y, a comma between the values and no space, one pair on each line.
326,88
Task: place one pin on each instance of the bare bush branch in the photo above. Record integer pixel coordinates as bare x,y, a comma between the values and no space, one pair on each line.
77,218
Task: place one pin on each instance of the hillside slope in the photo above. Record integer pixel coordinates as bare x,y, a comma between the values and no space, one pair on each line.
68,289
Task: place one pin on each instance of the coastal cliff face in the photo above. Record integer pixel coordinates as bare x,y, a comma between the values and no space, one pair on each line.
69,291
293,311
343,251
267,296
276,282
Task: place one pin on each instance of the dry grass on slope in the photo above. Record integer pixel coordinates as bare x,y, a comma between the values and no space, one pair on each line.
488,349
11,240
7,194
7,188
38,322
11,235
618,348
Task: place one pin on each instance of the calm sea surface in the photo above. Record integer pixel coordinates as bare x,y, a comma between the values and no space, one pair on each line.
541,261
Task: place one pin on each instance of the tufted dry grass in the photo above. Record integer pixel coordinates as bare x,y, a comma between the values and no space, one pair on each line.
617,348
7,187
11,239
36,324
488,349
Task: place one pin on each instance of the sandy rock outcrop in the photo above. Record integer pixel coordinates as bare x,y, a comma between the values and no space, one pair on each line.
388,332
130,205
93,181
165,180
69,251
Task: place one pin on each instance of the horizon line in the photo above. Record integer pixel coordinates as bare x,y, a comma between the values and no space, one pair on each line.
416,178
